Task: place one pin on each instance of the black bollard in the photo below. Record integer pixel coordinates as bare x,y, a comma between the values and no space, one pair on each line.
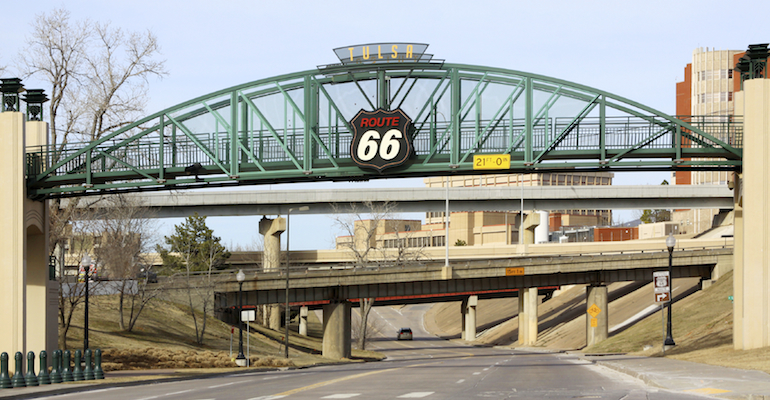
88,372
31,378
66,372
98,371
5,378
18,374
77,372
43,377
56,367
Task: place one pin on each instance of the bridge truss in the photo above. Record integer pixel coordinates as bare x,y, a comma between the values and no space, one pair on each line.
295,128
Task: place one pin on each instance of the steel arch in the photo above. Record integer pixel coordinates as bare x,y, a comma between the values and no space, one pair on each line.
294,128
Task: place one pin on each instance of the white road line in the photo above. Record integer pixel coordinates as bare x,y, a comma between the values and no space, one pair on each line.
267,398
222,385
180,392
341,396
460,381
415,395
477,373
486,369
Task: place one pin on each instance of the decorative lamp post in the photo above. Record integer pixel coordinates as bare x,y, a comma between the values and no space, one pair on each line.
240,360
10,88
288,314
35,99
86,264
670,243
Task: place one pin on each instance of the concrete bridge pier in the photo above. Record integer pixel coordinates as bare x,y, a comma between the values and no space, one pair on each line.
28,293
336,327
272,229
751,279
528,316
597,315
469,318
303,320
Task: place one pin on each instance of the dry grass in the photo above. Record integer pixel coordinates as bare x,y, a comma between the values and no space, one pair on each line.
164,338
702,329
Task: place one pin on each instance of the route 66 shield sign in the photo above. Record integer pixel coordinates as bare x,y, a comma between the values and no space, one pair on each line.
381,139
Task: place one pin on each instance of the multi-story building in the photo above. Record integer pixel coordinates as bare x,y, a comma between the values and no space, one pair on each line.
707,92
484,227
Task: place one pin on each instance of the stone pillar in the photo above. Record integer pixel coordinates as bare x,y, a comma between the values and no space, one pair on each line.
336,330
597,314
303,320
469,326
42,292
752,274
13,286
528,316
531,221
272,229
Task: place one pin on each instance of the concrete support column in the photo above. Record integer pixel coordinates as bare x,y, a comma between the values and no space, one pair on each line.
336,327
13,286
272,229
303,320
597,328
752,274
469,325
463,307
528,316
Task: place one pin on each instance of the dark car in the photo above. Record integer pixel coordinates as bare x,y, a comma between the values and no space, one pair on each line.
150,276
404,334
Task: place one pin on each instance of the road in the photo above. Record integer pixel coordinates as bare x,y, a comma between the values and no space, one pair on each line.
424,368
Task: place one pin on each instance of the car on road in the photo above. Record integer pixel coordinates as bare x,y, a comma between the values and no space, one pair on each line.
404,334
149,275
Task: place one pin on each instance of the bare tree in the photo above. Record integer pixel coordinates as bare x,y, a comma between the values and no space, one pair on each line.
362,226
126,232
98,75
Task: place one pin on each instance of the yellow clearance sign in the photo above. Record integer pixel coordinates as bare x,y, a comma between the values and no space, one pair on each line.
492,161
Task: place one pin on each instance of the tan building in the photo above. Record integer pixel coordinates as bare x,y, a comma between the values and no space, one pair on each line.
480,228
707,91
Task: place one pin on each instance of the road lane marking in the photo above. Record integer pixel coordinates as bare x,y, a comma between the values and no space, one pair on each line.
415,395
267,398
222,385
486,369
341,396
324,383
180,392
477,373
460,381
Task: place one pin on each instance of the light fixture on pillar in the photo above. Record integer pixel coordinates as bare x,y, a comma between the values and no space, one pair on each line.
35,99
240,360
288,314
670,243
85,263
10,87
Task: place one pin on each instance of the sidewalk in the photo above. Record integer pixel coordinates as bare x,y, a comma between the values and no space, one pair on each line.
689,377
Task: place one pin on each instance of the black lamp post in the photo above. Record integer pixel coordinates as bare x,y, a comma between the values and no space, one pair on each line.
86,264
670,243
240,360
288,314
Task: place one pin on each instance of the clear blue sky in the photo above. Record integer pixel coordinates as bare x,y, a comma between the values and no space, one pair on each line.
634,49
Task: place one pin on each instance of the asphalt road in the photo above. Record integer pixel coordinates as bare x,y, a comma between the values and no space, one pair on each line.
424,368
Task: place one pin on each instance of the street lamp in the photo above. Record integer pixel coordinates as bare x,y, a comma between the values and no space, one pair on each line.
86,264
240,360
288,314
670,243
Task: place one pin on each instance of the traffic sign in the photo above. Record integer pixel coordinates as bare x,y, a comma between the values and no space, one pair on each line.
662,286
594,310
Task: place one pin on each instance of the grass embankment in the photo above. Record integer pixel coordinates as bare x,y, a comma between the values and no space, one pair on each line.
702,330
164,337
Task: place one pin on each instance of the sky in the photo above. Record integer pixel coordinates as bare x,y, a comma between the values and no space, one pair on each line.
637,50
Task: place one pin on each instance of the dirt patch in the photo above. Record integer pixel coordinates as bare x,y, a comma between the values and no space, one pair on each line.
150,358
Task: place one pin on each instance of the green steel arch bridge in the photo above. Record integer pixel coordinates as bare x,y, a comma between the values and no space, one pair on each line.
297,128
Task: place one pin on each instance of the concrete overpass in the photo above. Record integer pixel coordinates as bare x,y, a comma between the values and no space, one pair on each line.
481,272
324,201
